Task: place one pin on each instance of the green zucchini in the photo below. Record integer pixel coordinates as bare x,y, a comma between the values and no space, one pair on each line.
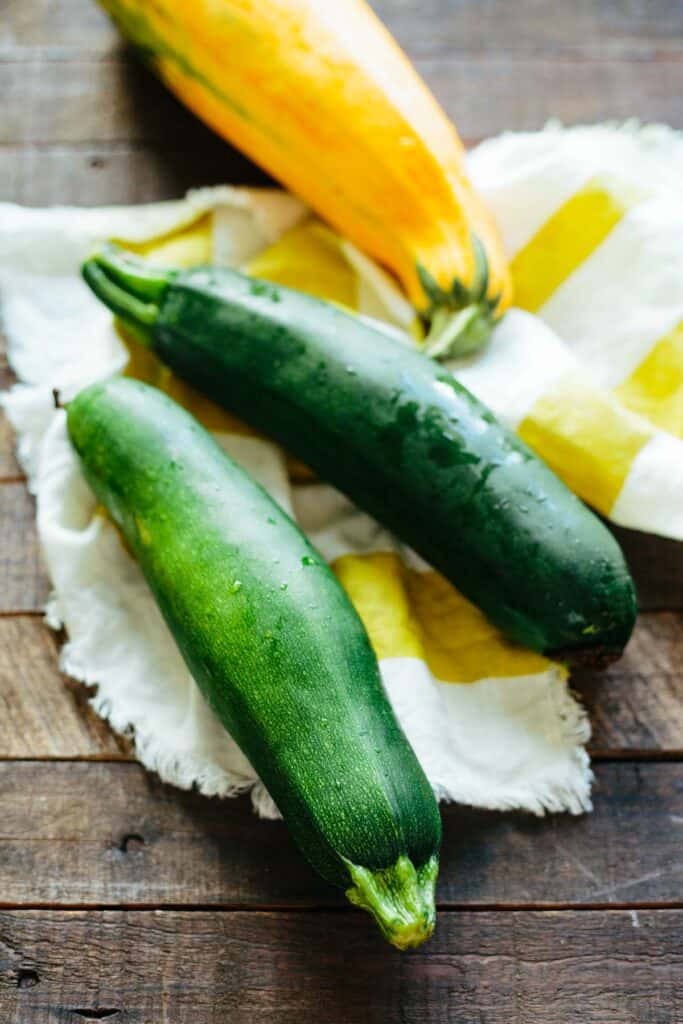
275,646
400,436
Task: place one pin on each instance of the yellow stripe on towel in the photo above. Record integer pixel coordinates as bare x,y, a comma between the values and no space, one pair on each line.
655,388
309,258
420,615
376,585
460,644
586,437
566,239
189,246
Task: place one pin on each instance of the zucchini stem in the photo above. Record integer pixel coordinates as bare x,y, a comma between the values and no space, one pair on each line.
400,898
131,288
136,275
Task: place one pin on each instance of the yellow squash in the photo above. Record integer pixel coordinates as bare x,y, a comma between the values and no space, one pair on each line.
318,93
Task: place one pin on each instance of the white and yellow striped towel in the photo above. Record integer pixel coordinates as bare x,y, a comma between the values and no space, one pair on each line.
589,371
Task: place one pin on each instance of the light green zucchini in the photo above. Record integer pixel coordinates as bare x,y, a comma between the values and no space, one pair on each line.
275,646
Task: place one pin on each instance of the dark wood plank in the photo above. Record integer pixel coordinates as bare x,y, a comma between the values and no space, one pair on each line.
487,96
43,713
9,467
657,567
533,28
432,28
611,856
637,704
24,582
102,174
108,834
71,25
83,99
206,968
114,99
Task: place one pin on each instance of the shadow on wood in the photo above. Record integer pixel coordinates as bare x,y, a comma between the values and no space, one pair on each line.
189,154
657,567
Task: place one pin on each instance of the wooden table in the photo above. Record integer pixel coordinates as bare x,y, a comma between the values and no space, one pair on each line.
125,900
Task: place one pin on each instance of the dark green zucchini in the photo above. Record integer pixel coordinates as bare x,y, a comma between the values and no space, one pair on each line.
400,436
275,645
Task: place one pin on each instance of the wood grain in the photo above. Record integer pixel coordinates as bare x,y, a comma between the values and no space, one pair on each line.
114,99
42,713
24,583
526,29
108,834
9,467
100,174
108,99
588,29
637,704
63,28
520,968
657,567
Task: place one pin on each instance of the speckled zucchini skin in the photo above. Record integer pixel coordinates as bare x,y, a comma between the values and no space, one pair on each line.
398,434
266,630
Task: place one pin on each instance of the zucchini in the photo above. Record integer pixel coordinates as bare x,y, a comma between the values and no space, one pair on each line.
275,646
400,436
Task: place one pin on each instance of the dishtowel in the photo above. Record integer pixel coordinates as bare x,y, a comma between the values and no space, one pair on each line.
588,368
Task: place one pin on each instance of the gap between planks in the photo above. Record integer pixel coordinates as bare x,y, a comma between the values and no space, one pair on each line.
122,53
597,757
442,907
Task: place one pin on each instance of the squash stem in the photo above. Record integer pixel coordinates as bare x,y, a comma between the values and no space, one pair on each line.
400,898
454,334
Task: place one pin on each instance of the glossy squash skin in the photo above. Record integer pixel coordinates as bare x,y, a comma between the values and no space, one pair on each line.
400,436
275,646
320,95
